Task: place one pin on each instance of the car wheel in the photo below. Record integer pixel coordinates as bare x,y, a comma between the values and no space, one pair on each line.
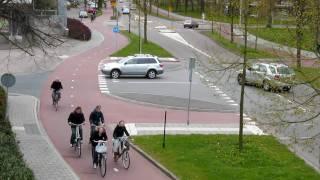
266,86
152,74
240,79
115,74
184,26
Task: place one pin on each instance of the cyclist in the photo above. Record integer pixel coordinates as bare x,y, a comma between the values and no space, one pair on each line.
99,135
118,132
96,119
56,87
76,117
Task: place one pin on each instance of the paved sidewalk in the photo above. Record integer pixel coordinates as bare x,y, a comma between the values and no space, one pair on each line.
38,152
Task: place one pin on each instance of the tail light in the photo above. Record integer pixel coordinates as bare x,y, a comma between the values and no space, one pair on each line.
277,77
161,65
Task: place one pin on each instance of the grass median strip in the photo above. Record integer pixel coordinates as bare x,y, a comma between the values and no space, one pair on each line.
218,157
285,36
12,165
310,75
237,48
147,48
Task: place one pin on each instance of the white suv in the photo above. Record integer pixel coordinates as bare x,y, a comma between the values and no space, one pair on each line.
137,65
269,76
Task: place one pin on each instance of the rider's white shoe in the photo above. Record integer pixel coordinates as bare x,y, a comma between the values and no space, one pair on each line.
94,166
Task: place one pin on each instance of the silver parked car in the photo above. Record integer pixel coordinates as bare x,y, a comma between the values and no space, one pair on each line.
269,76
137,65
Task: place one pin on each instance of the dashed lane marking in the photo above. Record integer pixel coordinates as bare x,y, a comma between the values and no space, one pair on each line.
115,170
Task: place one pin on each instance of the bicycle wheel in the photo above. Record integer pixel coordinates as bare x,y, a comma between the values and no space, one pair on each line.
126,159
103,165
79,148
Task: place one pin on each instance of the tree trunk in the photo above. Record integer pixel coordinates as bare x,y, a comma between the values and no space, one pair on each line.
270,13
150,6
202,6
244,71
299,36
192,5
177,5
232,21
145,20
186,6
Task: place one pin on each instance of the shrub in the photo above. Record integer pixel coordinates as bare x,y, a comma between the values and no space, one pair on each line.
77,30
12,165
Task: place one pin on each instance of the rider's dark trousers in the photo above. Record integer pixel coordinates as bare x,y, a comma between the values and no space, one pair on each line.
73,134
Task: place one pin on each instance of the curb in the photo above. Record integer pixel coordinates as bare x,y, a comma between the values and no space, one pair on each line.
154,162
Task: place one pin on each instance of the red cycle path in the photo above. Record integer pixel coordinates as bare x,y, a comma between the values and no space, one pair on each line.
79,76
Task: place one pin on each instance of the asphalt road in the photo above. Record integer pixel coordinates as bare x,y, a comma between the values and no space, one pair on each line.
271,110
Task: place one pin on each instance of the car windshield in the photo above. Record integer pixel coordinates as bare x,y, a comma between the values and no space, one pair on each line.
284,70
124,60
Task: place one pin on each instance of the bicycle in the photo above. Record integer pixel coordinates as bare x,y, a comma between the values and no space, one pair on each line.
77,141
123,151
101,149
55,99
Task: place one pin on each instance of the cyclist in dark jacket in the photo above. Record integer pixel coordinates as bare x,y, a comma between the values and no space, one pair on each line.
100,134
76,117
56,86
96,118
118,132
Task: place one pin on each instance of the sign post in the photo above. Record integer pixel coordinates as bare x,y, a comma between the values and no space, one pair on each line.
8,80
191,67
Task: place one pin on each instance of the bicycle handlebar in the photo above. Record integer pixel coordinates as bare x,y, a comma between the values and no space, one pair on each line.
101,141
72,124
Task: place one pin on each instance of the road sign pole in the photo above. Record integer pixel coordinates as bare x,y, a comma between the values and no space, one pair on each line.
164,130
191,67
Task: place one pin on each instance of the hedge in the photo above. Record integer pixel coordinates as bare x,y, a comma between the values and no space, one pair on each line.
12,165
77,30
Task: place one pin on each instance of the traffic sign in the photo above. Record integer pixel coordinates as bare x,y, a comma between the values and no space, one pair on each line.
116,29
8,80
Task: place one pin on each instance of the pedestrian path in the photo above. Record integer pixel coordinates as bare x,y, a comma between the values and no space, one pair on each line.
38,152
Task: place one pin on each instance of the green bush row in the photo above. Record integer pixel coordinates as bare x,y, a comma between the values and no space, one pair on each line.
12,165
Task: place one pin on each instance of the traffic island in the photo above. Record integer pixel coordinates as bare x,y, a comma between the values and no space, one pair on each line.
218,157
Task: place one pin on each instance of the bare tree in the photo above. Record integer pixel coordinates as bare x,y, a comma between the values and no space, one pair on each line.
145,20
34,27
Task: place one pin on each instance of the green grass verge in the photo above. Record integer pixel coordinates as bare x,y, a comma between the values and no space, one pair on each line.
310,75
147,48
285,36
217,157
12,165
237,48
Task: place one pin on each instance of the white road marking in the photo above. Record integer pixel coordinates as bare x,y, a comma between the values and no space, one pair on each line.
108,92
115,169
17,128
201,76
102,86
219,92
247,118
223,95
231,101
234,104
72,105
72,80
101,75
226,98
71,87
147,82
102,82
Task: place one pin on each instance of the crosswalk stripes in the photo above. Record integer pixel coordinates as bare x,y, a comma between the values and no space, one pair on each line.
103,85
